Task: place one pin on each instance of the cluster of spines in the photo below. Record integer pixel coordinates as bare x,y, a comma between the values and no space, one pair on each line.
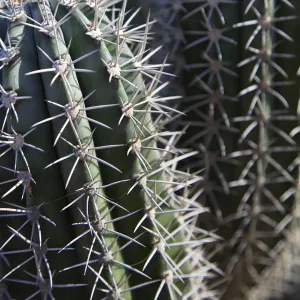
47,61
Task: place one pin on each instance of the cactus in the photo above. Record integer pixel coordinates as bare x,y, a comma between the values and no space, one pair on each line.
93,205
244,118
107,120
250,152
254,136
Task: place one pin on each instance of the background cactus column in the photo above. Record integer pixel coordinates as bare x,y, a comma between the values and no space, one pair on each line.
263,151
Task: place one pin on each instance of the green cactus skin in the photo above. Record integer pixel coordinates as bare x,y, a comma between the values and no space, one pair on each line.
93,206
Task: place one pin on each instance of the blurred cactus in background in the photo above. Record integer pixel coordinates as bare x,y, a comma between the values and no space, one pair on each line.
241,105
150,149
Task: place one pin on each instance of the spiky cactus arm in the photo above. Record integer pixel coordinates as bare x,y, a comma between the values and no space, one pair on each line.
210,101
281,279
40,187
211,104
264,175
72,81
